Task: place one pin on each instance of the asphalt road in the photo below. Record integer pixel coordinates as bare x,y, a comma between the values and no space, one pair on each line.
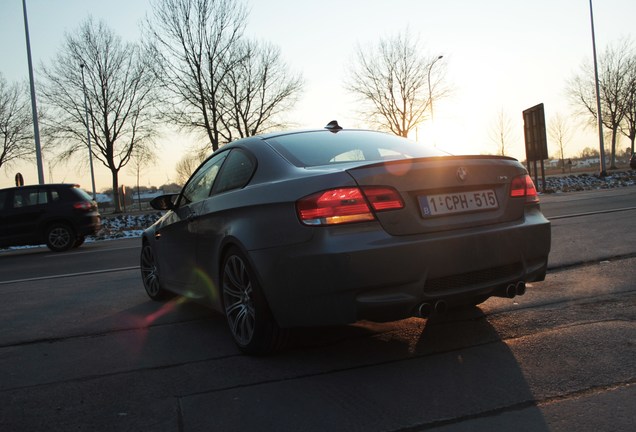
82,348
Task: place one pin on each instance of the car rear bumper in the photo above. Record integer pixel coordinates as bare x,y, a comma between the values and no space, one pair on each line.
359,272
89,225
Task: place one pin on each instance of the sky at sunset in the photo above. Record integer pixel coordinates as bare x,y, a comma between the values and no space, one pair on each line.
499,55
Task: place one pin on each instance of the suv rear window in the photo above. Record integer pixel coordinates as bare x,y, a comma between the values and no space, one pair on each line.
307,149
82,193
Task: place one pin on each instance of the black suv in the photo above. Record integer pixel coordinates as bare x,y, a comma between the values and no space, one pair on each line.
60,215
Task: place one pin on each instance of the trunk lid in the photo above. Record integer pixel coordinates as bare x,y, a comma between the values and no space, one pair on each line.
446,193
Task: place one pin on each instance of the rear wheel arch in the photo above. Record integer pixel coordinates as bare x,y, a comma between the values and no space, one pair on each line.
251,322
46,224
226,246
233,243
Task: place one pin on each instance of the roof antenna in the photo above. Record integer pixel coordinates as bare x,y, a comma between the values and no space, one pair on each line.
333,126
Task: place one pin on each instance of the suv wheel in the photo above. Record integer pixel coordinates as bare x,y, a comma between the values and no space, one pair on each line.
60,237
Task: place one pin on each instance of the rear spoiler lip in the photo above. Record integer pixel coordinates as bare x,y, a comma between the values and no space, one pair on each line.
432,158
355,165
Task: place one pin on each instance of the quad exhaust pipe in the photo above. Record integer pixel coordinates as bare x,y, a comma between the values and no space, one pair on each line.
513,290
426,309
521,288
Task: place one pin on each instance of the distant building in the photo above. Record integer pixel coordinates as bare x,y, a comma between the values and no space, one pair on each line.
103,198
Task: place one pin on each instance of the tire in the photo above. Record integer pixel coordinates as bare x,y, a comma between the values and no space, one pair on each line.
79,241
150,274
248,316
60,237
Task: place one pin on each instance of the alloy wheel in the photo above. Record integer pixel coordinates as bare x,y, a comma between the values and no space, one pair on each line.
60,237
238,300
149,272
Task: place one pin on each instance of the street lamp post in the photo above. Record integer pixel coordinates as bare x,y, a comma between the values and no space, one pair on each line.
430,94
429,84
88,134
599,118
34,108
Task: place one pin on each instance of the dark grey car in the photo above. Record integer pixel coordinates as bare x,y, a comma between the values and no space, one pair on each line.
333,226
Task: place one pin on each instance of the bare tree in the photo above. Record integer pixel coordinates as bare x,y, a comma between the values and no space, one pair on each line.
589,153
628,128
187,164
613,83
396,82
16,123
258,88
142,156
502,132
560,132
192,42
119,91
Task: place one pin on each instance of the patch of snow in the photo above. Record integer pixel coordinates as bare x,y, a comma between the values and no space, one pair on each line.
581,182
124,226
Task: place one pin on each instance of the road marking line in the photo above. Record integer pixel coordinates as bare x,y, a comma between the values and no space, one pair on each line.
591,213
69,275
88,251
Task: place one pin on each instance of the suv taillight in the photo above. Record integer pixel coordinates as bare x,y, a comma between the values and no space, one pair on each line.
346,205
83,206
523,186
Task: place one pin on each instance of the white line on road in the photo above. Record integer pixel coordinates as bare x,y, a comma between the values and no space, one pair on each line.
87,251
69,275
591,213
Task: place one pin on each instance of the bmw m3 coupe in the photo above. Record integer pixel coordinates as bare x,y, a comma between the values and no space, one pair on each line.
332,226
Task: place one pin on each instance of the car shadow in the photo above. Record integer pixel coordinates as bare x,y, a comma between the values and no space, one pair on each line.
456,366
449,372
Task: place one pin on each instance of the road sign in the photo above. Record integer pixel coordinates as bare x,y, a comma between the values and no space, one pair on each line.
534,133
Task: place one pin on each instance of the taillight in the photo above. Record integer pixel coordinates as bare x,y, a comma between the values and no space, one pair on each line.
523,186
83,206
383,198
346,205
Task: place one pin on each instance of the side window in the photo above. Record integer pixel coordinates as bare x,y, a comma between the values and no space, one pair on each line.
237,171
21,198
200,184
42,197
3,199
32,197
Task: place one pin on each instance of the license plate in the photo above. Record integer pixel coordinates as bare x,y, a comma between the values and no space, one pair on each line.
461,202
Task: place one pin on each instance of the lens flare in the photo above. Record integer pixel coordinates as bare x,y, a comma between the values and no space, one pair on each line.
205,281
163,310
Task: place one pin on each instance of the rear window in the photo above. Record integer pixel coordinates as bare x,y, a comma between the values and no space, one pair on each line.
307,149
81,192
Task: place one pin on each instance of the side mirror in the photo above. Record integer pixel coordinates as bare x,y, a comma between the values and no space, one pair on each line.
164,202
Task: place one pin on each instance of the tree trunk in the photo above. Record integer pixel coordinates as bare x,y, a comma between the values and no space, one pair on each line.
116,191
614,136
